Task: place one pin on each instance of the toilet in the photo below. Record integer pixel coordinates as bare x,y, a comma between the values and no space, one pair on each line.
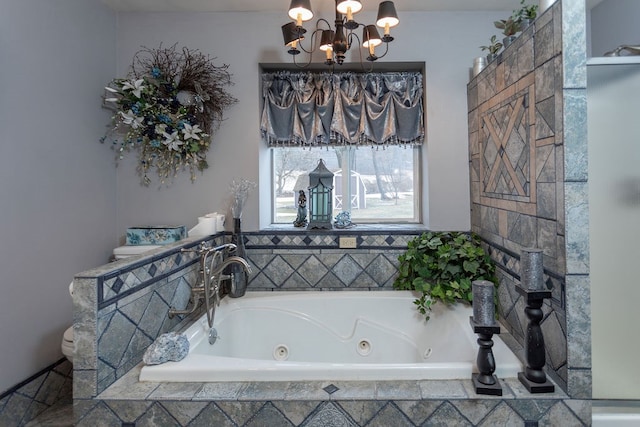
127,251
67,337
120,252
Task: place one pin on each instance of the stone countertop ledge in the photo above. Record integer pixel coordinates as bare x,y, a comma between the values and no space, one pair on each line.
129,388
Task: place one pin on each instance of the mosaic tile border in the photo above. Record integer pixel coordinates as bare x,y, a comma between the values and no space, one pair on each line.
330,239
121,283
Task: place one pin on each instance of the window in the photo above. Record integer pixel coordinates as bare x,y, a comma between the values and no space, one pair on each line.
365,126
384,185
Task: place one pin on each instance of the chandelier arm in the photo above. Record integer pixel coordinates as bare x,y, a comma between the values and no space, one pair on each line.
311,42
304,65
362,62
350,37
322,20
386,50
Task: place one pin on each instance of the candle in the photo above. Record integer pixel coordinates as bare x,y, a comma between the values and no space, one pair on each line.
483,305
531,271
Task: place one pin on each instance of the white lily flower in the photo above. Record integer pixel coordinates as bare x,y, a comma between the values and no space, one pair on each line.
161,128
191,131
172,141
112,90
130,119
134,86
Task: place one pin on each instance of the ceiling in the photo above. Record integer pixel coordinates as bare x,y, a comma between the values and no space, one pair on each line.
320,5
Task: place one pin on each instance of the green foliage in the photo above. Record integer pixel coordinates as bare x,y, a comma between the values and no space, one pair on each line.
494,46
442,266
526,11
508,26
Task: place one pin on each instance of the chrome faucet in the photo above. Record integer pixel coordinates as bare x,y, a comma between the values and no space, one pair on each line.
211,277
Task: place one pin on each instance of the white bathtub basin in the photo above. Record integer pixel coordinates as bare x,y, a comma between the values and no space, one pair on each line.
348,335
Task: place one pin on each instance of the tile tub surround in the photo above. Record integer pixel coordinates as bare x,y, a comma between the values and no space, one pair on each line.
527,136
99,398
373,403
121,307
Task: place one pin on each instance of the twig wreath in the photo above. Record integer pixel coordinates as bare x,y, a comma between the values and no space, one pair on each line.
167,110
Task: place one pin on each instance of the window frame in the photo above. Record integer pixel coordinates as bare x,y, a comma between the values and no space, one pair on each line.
417,187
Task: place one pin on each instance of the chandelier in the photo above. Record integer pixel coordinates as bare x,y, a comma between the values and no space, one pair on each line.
336,42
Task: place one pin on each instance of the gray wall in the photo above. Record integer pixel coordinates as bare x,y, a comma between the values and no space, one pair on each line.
57,185
247,39
613,23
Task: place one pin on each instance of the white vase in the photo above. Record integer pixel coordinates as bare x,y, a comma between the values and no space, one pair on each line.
478,65
544,5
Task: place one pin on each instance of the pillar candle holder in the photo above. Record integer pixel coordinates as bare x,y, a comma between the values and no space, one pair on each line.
533,377
531,272
484,381
484,324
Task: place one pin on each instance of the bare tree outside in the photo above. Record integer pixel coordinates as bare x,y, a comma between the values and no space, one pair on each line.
289,163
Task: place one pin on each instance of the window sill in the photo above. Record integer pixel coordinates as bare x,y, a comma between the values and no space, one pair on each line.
355,229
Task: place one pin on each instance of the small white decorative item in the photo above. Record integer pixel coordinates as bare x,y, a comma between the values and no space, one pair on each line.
167,109
478,65
544,5
343,220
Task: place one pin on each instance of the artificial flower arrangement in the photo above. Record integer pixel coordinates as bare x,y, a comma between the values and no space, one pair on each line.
167,110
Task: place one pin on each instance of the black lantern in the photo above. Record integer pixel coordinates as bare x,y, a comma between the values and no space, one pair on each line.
320,197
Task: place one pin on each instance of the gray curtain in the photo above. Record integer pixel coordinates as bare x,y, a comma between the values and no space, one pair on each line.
310,109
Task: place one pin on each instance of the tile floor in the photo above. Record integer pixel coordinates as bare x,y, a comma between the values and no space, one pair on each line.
59,415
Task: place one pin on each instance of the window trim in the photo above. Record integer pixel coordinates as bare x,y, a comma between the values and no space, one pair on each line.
417,192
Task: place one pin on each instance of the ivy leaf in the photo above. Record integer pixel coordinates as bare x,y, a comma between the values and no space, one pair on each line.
442,266
471,266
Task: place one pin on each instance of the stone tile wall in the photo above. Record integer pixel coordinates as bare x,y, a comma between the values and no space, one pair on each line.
526,140
313,261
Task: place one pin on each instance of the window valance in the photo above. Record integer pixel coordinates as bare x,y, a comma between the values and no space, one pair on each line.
311,109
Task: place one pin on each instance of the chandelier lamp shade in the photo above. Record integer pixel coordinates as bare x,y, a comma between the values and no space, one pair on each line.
336,41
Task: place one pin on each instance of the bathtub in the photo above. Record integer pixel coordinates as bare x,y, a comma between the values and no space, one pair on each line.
333,335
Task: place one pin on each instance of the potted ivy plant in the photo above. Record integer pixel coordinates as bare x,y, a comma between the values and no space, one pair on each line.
442,266
509,28
493,47
525,15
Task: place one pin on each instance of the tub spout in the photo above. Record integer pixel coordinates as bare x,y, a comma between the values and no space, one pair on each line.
210,278
237,274
233,260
